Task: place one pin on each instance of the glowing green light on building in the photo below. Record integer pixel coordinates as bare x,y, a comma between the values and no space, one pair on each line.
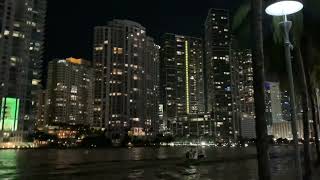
9,114
187,76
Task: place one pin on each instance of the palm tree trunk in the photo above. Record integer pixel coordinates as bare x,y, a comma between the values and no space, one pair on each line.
259,95
305,116
315,123
312,95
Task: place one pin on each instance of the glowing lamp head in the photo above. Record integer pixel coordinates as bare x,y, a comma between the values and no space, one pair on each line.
283,8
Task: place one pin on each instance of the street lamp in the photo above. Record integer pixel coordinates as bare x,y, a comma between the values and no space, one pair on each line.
285,8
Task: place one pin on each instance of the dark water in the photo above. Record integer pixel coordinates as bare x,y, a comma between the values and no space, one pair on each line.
139,163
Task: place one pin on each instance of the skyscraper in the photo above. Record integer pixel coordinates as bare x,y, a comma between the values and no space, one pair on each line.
152,87
245,99
181,77
69,92
21,46
126,65
218,73
41,110
285,105
273,98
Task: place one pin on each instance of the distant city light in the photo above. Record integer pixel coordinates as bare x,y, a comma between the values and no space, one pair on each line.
203,143
284,8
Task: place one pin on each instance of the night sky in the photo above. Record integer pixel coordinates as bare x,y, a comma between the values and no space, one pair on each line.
70,23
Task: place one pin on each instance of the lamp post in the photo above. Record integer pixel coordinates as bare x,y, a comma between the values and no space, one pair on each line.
285,8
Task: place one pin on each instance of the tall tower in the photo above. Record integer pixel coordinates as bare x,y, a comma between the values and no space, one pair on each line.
182,80
151,86
245,121
218,73
21,46
126,63
273,102
69,95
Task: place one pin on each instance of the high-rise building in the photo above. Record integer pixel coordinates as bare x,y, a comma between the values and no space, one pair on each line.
273,101
126,65
41,110
152,88
219,83
70,92
273,104
181,79
21,46
244,101
285,105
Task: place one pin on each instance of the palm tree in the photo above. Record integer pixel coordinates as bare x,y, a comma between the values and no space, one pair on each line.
312,6
313,77
312,68
298,32
259,95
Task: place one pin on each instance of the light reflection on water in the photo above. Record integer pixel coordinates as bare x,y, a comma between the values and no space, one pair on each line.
8,161
137,163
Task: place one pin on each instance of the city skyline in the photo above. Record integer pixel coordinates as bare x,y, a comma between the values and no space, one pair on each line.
68,24
205,74
75,29
168,89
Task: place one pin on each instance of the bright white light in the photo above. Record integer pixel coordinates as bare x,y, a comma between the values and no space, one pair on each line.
203,143
284,8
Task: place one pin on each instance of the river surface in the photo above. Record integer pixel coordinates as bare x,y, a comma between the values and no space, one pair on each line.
165,163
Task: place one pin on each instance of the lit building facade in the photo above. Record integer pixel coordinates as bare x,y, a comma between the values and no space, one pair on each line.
21,47
285,105
41,110
273,102
69,92
126,63
242,62
151,88
283,130
219,92
181,79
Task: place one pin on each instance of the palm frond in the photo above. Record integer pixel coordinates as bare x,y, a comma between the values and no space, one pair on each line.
277,31
241,14
297,29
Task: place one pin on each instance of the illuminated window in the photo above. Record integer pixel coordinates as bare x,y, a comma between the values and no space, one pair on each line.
15,34
99,48
13,59
117,50
73,97
180,53
6,32
74,89
35,82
